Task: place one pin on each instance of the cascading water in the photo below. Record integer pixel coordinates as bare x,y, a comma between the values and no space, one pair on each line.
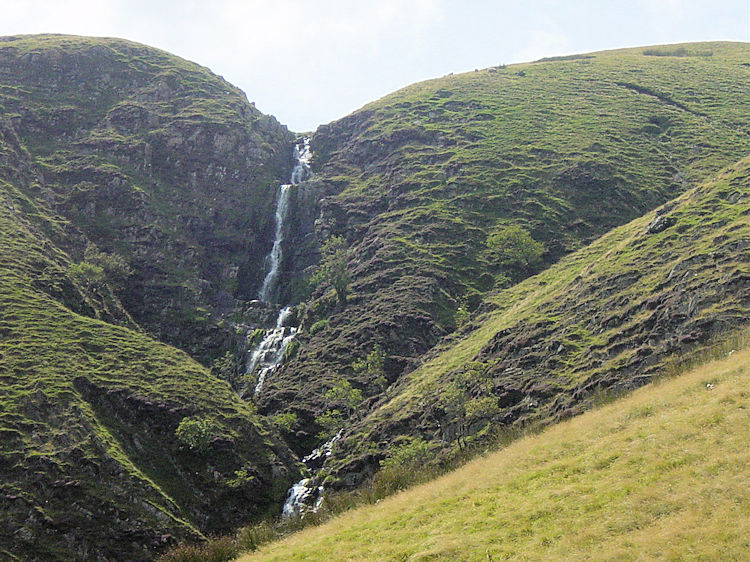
297,496
269,353
302,497
302,156
271,280
300,173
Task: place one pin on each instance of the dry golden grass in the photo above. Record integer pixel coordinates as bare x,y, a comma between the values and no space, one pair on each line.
662,474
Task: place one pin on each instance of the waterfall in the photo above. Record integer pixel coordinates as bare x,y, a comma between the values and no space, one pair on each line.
302,156
268,288
296,496
300,173
269,353
302,497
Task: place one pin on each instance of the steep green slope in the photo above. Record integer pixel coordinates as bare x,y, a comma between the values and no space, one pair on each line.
137,189
660,475
419,181
89,405
606,317
88,413
154,159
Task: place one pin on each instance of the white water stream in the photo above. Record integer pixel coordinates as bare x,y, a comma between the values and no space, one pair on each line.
300,173
274,258
269,353
302,497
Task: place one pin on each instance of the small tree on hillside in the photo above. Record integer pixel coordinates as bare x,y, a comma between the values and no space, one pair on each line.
341,400
514,250
373,365
332,268
345,395
466,402
196,433
89,276
115,267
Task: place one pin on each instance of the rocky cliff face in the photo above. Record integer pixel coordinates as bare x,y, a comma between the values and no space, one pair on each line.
420,183
116,159
605,319
154,159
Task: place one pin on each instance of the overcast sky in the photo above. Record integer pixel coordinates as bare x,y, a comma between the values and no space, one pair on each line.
310,62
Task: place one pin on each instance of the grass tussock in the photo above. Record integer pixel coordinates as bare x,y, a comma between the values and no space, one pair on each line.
661,473
216,550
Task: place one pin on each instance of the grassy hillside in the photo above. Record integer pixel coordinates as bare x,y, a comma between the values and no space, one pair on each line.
88,413
430,185
89,405
661,474
156,160
136,205
604,318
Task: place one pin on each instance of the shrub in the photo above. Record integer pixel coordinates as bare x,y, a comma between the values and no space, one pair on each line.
330,422
373,365
332,268
241,478
291,350
341,398
318,326
462,315
87,274
98,269
514,251
222,549
483,407
253,537
388,481
256,337
114,266
344,394
410,451
285,421
196,433
183,553
466,400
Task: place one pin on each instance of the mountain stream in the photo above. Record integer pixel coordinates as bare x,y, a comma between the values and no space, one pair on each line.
269,353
